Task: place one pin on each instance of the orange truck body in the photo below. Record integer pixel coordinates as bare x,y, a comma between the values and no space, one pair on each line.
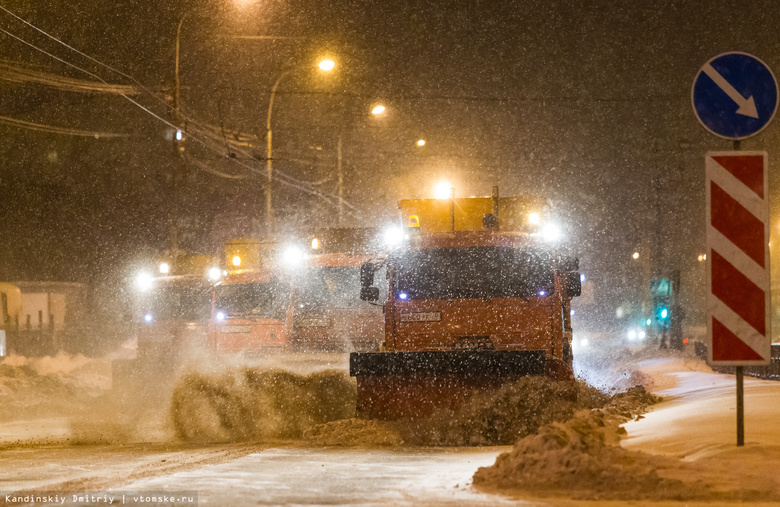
251,310
251,313
329,316
469,307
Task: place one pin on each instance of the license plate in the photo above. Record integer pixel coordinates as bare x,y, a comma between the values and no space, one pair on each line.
236,329
315,323
421,317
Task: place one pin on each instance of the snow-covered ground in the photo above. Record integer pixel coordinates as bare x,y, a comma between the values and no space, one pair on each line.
692,432
696,423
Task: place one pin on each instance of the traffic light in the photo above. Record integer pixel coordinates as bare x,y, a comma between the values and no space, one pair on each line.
661,292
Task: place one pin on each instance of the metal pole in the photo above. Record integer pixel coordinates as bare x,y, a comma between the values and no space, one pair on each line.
176,147
740,381
176,94
341,185
740,408
269,212
452,207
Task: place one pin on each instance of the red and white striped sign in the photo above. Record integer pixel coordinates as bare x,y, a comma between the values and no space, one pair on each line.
738,258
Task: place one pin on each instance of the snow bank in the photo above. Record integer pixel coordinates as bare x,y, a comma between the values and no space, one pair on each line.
50,386
582,457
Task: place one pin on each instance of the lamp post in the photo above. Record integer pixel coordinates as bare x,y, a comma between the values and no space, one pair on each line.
176,146
325,66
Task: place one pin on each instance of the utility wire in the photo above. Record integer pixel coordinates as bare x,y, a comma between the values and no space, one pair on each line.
283,178
14,122
280,175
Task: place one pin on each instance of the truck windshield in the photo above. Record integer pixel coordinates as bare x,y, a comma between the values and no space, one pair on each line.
268,300
190,303
328,287
473,272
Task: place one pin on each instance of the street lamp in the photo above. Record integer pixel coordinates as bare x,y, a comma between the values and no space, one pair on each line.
325,65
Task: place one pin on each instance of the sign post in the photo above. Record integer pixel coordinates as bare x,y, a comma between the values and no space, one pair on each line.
735,96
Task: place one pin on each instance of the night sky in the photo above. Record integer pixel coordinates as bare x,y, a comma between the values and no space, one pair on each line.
586,103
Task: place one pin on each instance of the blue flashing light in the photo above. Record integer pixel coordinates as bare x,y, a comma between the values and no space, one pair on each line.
148,317
220,316
403,296
542,293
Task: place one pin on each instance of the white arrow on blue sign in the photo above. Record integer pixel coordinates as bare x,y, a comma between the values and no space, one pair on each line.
734,95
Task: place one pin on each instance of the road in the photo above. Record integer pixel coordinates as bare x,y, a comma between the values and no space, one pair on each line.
693,424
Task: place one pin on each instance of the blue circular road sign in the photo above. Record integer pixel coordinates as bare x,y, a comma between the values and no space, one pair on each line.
734,95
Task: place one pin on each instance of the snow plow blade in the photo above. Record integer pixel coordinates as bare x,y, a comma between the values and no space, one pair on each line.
395,385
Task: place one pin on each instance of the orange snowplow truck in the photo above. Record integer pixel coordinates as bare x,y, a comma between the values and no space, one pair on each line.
328,315
476,298
252,309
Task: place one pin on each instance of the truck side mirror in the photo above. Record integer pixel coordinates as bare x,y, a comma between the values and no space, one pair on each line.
370,294
366,276
573,284
569,264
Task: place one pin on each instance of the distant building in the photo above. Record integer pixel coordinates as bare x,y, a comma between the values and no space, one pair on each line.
39,317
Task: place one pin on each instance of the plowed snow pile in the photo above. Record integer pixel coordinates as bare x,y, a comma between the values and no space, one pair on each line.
502,417
50,386
583,458
254,404
355,433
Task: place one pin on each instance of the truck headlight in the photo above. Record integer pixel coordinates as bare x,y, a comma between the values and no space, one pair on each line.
144,281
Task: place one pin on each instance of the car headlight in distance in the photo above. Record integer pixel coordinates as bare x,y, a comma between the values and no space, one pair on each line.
144,281
215,274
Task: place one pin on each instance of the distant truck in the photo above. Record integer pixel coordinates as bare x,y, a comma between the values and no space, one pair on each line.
476,297
328,314
172,309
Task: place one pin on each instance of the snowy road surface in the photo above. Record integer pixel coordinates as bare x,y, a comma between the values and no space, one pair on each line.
694,423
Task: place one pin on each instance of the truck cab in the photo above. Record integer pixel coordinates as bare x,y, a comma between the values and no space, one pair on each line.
252,312
472,303
328,315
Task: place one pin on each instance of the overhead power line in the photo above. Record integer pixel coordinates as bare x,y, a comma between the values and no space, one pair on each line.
14,122
281,177
16,73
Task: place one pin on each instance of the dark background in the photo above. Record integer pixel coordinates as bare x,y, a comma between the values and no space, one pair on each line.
586,103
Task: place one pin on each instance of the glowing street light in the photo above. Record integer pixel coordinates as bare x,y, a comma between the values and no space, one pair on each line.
327,65
378,109
421,143
635,256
